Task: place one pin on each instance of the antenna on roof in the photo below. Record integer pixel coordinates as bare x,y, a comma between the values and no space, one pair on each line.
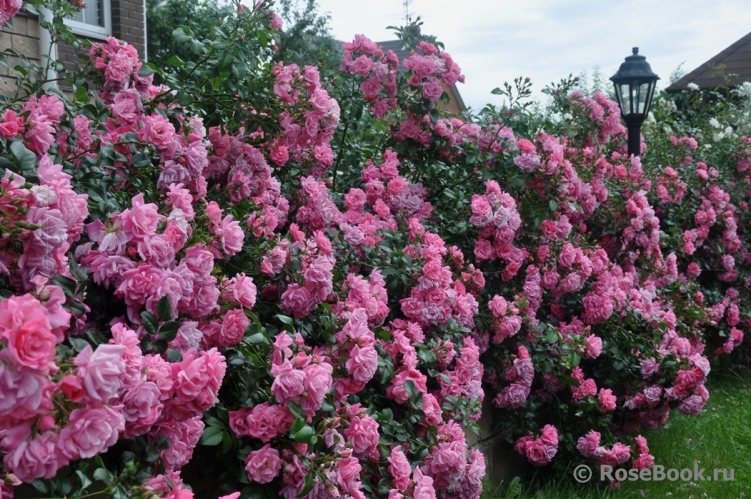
407,17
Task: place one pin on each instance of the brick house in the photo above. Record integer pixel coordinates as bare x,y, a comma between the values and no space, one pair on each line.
456,103
729,68
123,19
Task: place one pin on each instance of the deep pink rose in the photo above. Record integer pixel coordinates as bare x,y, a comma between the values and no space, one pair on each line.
288,382
119,68
198,378
233,328
26,330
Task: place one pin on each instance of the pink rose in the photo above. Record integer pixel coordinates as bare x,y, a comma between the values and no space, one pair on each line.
204,299
348,475
28,333
589,444
363,434
101,371
35,458
11,123
606,399
399,468
362,363
200,261
119,68
141,401
423,486
317,384
23,393
297,300
90,432
243,290
594,346
9,9
233,328
138,284
537,453
158,130
279,154
288,382
263,465
141,221
197,380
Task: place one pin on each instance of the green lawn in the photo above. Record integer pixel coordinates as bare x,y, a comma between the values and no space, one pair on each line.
720,437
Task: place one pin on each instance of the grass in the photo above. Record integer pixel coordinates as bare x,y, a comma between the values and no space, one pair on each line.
719,437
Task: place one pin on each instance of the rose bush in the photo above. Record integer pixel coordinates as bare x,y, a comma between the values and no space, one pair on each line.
304,288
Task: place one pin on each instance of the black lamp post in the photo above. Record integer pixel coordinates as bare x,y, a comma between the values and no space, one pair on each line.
634,87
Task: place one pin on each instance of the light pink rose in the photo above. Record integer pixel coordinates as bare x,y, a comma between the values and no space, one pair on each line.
288,382
141,221
244,290
363,434
263,465
101,371
35,458
90,431
362,363
399,468
23,393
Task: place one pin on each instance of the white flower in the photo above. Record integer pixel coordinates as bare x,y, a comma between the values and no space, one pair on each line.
692,86
714,123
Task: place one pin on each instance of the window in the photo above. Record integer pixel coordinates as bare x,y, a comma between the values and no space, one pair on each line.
94,20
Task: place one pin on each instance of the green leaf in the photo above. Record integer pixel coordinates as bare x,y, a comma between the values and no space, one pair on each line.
66,283
307,485
257,339
168,330
301,432
164,309
149,322
180,35
104,475
211,436
26,159
173,355
78,344
297,411
175,60
85,481
285,319
184,98
146,70
553,204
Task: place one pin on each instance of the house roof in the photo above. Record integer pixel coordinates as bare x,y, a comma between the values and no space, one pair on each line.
729,68
402,53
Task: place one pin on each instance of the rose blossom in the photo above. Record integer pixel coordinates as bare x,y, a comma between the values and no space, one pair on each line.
90,432
263,465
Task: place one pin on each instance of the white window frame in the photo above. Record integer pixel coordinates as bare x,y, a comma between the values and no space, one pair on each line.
91,31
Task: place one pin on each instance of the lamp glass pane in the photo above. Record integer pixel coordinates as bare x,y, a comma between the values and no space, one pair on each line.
644,97
625,99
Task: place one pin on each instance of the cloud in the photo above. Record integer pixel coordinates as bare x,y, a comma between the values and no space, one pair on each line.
497,40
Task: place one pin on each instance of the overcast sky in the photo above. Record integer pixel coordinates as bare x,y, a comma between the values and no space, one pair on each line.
497,40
